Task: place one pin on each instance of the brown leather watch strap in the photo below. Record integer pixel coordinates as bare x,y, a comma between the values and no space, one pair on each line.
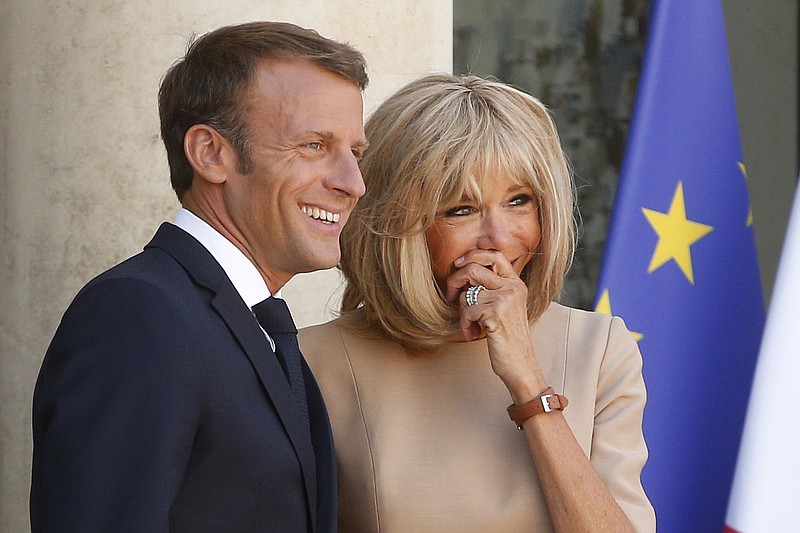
547,402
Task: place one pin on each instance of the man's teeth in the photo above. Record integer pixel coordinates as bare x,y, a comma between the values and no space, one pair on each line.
320,214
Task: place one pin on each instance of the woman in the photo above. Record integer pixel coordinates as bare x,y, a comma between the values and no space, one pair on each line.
453,260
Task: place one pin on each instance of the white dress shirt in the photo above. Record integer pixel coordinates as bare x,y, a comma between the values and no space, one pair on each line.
241,271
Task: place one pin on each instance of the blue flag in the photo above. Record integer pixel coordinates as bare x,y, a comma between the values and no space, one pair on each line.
680,265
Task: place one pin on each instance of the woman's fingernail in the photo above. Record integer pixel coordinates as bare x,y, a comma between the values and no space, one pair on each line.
458,262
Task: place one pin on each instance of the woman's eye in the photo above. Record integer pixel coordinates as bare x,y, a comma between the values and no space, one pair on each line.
459,211
521,199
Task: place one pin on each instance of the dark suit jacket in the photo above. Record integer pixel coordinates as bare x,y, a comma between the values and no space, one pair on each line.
161,407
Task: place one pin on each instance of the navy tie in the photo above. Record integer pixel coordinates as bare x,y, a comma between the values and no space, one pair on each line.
273,315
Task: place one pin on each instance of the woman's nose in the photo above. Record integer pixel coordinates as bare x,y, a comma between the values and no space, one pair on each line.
494,232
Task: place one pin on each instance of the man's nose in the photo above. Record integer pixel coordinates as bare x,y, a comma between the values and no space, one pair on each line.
347,177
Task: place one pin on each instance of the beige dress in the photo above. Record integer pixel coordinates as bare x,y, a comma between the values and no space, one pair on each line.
424,443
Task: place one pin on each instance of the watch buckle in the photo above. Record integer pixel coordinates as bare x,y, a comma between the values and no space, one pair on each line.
545,398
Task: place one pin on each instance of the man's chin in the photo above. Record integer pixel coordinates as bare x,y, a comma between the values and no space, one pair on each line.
322,262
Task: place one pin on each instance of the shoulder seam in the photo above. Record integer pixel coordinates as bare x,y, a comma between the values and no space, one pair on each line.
364,423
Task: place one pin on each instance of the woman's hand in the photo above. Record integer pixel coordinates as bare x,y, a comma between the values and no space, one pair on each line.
501,314
576,497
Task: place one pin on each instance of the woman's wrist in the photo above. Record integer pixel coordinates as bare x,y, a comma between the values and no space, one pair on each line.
519,370
524,389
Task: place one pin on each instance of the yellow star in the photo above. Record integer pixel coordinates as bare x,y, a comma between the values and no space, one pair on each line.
604,303
749,210
604,306
675,235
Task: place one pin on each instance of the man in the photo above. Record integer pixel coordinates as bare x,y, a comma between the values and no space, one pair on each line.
161,404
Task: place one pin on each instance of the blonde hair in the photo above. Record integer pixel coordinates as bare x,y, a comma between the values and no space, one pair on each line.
430,144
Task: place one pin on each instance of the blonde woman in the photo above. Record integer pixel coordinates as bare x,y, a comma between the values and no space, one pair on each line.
453,261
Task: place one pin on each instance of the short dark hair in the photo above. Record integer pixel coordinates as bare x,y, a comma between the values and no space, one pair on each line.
207,84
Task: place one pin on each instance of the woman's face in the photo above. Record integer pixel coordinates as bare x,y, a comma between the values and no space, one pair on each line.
506,220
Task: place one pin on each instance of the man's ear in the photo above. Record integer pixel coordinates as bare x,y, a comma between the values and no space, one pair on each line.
211,155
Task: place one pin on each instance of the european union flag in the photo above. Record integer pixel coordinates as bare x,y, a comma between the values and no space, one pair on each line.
680,265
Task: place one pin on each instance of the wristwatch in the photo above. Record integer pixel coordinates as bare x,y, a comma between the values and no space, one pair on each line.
547,402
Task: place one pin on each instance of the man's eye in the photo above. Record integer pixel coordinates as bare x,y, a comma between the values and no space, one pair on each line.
459,211
316,145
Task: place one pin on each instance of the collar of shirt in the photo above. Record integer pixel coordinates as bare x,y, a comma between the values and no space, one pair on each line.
243,274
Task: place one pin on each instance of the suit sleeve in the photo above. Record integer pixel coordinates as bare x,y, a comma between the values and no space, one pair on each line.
116,408
618,451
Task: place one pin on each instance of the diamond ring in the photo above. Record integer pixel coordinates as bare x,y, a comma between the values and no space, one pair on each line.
472,294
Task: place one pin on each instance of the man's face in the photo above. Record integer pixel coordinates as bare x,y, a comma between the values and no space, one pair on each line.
306,131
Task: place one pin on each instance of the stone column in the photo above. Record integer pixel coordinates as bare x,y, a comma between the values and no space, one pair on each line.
84,176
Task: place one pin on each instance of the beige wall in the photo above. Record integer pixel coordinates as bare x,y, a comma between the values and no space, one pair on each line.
84,177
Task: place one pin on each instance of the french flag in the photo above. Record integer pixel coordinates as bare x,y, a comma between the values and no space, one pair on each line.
765,497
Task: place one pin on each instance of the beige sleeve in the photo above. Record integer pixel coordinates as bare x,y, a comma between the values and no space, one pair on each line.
618,450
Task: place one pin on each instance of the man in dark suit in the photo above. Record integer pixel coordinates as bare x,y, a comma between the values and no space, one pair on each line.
163,403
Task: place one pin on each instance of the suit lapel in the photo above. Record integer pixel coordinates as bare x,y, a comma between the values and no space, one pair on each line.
322,439
205,270
245,328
